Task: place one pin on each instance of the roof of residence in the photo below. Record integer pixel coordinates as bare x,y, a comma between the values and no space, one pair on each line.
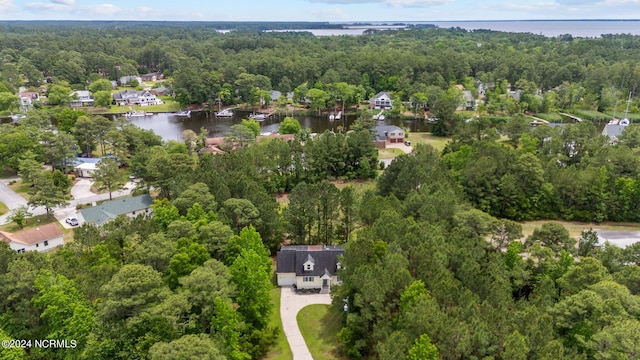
29,94
380,94
109,210
152,74
86,166
33,236
274,95
383,130
324,258
466,95
85,160
82,92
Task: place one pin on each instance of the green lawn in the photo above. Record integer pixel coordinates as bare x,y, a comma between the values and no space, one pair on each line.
553,117
389,153
437,142
3,208
319,326
280,350
28,223
20,188
590,115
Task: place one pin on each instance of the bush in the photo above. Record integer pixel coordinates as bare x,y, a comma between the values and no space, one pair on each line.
381,165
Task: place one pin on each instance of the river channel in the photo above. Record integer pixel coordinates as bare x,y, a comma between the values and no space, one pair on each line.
170,127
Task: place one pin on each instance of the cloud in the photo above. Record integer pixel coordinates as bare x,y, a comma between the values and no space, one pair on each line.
534,6
392,3
103,9
44,7
333,14
63,2
6,5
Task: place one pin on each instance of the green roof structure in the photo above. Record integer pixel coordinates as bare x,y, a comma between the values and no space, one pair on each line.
109,210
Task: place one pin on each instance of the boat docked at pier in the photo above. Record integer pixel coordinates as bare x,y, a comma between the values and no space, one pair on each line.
225,113
258,116
185,113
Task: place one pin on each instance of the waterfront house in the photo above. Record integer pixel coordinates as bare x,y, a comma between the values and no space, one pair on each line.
381,100
81,98
133,97
42,238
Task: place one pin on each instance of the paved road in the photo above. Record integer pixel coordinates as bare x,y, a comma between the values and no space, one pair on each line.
81,192
290,304
619,238
9,197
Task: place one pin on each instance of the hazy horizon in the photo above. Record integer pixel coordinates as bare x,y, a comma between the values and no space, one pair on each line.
336,11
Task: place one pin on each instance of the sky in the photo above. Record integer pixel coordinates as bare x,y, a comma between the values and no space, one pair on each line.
318,10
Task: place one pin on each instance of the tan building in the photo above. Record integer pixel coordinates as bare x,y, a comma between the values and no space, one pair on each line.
42,238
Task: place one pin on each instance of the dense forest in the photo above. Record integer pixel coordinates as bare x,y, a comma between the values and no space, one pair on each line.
436,262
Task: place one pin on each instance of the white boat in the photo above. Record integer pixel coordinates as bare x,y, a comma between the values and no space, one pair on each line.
225,113
332,117
148,114
135,114
258,117
378,116
185,113
17,117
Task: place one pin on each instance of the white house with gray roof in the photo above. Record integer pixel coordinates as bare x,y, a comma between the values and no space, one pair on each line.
109,210
309,266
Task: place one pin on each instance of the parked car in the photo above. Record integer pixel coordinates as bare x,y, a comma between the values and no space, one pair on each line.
72,221
408,143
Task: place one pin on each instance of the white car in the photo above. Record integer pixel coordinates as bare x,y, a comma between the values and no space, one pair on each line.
73,221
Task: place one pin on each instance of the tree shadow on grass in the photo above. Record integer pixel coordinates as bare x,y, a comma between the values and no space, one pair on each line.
331,323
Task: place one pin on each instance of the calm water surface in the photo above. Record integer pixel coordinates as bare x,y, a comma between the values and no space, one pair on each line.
576,28
170,127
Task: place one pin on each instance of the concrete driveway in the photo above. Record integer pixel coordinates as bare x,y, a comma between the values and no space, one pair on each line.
290,304
407,149
82,189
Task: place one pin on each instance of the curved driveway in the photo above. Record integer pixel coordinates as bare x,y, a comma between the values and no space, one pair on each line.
290,304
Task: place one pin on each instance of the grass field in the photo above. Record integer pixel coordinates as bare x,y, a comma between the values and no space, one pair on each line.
590,115
621,114
28,223
319,327
20,188
281,350
575,228
427,138
553,117
389,153
3,208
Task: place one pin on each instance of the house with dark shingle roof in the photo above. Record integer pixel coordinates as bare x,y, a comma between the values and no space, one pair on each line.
42,238
109,210
309,266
